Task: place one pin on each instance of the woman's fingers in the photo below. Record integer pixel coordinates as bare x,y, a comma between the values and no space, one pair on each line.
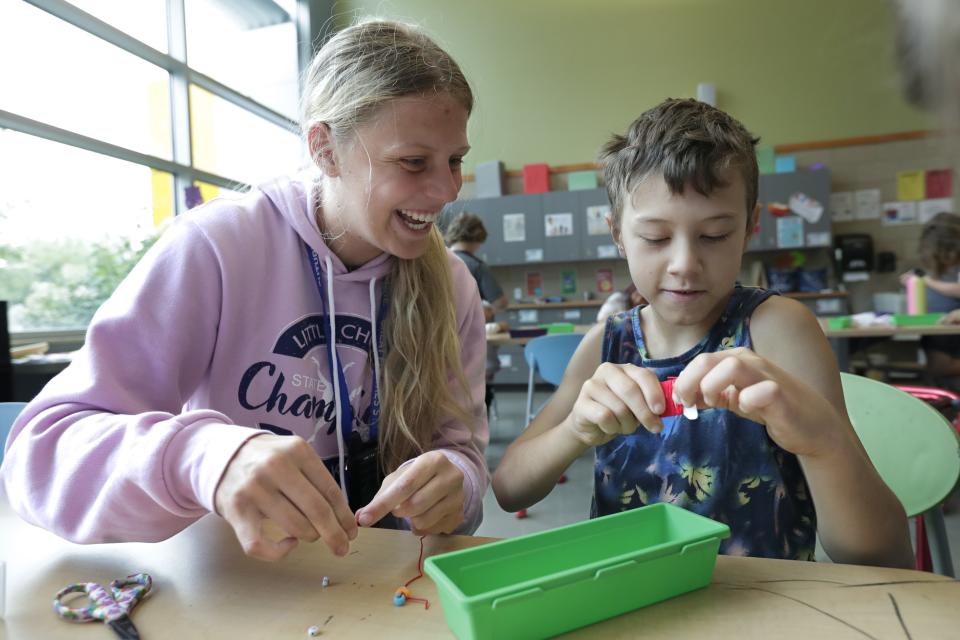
283,479
429,492
248,526
442,517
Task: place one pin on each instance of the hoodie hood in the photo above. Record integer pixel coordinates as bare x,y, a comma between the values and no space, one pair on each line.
296,199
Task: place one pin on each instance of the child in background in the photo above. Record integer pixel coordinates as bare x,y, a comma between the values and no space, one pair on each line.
620,301
772,438
939,253
465,235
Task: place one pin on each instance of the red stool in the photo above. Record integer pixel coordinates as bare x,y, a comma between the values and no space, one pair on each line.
939,399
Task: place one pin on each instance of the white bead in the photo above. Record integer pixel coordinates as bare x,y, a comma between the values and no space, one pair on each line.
325,582
690,413
313,631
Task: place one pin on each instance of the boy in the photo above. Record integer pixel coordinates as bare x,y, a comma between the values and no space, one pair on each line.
772,437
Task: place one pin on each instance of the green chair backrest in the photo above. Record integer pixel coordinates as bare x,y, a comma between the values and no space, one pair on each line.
913,447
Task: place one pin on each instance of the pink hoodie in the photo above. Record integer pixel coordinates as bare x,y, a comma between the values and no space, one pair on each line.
214,336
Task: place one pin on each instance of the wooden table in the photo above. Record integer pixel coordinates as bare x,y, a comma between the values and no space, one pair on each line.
839,338
206,588
890,332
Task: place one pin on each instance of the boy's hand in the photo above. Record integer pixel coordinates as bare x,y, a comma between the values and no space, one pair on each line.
798,418
614,401
428,491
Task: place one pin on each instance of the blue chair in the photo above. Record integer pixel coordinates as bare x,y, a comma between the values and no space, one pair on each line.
548,355
914,449
8,413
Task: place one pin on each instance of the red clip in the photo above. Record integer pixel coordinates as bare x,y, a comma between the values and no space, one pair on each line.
672,408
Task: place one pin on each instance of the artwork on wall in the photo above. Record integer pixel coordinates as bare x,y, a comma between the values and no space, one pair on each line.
534,283
568,282
605,280
597,220
558,224
514,227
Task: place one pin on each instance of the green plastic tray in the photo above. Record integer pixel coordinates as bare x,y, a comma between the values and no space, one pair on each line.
839,322
919,320
543,584
558,327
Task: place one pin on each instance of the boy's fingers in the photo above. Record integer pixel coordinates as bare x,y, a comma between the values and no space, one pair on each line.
610,413
758,397
651,403
737,371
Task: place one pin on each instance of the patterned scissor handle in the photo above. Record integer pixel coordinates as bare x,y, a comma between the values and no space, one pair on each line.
107,606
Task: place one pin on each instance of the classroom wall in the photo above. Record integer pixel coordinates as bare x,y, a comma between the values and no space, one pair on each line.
553,78
853,167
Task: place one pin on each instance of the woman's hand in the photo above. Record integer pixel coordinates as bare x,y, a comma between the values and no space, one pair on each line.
798,418
614,401
281,478
428,491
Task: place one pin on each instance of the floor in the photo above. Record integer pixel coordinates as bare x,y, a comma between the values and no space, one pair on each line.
570,502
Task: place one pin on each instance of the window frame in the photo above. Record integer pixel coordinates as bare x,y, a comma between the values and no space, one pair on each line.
314,22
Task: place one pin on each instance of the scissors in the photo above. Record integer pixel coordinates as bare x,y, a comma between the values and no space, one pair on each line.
112,607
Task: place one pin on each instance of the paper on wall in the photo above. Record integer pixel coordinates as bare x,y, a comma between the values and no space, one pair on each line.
789,232
597,220
806,207
927,209
607,251
514,227
842,206
895,213
558,224
867,204
911,185
533,255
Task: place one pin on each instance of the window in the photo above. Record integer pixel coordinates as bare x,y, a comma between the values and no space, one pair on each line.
230,141
252,49
111,124
73,224
66,85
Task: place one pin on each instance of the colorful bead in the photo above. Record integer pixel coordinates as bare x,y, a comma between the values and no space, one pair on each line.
399,599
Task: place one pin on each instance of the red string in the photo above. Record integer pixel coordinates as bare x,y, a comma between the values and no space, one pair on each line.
426,603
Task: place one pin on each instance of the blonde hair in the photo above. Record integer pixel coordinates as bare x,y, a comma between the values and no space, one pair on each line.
355,73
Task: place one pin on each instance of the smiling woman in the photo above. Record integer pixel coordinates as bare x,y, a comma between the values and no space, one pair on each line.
327,364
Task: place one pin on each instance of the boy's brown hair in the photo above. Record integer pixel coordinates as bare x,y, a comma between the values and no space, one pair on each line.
466,227
688,142
940,244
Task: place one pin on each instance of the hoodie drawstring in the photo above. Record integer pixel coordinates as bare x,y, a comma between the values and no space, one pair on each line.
332,316
334,358
373,331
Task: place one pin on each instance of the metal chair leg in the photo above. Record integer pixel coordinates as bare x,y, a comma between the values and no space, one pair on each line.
939,545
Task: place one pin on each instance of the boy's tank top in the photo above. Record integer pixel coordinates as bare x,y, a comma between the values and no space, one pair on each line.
721,465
